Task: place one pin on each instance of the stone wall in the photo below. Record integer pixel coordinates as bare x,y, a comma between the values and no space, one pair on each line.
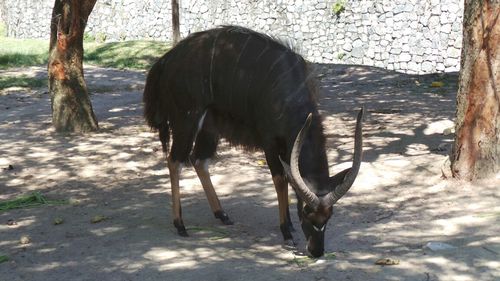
413,36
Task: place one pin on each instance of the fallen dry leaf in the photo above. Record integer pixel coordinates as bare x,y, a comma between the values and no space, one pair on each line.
437,84
98,218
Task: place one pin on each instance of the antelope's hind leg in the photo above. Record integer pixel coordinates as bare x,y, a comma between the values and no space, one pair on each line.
182,144
204,149
175,168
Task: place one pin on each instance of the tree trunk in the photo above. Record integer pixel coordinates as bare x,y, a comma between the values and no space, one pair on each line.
476,152
176,34
71,107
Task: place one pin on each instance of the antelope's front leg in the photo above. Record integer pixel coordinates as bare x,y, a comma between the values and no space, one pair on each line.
281,186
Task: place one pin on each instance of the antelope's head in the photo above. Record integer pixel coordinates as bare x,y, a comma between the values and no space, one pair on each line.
316,209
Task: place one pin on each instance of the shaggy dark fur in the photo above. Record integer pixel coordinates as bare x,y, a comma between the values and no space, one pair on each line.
256,93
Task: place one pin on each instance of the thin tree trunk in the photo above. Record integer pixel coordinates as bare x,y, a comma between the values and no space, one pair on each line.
176,34
71,107
476,152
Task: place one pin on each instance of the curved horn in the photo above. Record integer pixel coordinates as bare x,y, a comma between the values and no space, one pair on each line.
348,176
293,172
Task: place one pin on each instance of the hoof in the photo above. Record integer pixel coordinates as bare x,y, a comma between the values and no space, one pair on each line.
182,232
224,218
181,229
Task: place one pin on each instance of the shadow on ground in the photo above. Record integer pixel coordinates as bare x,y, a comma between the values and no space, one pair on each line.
397,205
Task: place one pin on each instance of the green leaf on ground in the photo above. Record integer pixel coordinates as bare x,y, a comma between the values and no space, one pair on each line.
34,199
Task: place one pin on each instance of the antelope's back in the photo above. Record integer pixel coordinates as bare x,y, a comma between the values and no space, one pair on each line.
252,84
235,70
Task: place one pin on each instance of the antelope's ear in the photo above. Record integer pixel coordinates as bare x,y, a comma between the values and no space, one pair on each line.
338,178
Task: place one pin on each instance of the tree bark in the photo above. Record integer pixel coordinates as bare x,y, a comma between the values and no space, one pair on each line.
476,151
176,34
71,106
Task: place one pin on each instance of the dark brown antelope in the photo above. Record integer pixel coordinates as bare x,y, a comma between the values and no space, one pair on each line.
234,83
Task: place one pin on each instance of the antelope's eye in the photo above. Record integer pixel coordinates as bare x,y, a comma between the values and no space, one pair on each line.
307,210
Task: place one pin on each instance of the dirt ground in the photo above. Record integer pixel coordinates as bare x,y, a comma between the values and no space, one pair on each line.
398,208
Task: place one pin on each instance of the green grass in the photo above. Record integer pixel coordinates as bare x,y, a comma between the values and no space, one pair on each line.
22,81
127,54
22,52
28,201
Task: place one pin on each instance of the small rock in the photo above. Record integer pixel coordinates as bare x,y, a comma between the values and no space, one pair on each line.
9,168
25,239
387,261
449,131
11,222
58,221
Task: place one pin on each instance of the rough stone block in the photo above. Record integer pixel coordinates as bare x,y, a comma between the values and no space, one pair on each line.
357,52
427,67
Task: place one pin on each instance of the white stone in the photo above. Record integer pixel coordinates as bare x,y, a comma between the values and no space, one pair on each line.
453,68
427,66
404,57
357,43
370,53
384,43
321,6
347,47
433,22
453,52
413,66
368,61
449,62
446,28
440,67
